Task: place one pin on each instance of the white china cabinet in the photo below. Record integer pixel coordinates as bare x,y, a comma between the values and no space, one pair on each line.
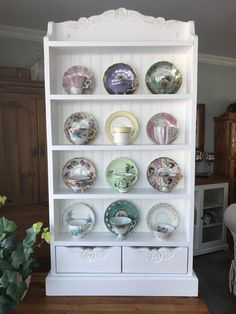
98,264
211,200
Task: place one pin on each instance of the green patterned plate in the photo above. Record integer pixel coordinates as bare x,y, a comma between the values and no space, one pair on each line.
121,174
121,209
163,78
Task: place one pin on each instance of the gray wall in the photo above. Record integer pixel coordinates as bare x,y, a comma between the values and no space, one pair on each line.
216,83
19,53
216,89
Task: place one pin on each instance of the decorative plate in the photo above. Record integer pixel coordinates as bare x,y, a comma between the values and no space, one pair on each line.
81,128
120,78
122,119
78,80
121,209
78,211
163,174
79,174
163,78
162,128
121,174
161,213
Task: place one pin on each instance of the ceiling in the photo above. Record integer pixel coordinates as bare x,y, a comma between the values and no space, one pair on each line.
214,19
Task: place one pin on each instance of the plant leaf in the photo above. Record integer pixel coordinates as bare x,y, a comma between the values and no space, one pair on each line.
17,258
5,265
7,225
16,291
7,277
2,236
30,239
46,236
4,281
25,273
9,242
6,304
37,226
2,200
27,252
29,266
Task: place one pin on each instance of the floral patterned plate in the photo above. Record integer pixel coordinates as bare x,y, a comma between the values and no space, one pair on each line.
121,209
78,211
163,174
121,174
79,174
81,128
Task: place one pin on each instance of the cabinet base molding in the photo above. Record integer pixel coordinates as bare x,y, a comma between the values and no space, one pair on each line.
121,285
224,246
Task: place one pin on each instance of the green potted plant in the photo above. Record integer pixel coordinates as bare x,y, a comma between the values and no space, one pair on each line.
17,260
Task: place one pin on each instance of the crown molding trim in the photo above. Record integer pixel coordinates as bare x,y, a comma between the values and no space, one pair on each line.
21,33
216,60
37,35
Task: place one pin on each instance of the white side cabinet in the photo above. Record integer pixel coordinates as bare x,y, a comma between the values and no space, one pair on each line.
209,230
98,264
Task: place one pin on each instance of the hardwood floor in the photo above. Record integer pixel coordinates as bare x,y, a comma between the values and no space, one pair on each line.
37,303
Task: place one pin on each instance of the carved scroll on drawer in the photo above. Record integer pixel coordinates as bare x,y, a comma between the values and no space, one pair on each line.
88,259
155,260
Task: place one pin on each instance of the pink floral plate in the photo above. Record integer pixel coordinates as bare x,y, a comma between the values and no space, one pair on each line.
79,174
163,174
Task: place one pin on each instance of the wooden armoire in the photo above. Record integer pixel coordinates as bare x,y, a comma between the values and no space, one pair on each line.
23,161
225,150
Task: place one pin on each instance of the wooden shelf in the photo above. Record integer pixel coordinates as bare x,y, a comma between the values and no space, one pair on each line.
211,180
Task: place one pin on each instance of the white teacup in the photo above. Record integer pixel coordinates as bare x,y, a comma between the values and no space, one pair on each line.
121,226
121,135
78,227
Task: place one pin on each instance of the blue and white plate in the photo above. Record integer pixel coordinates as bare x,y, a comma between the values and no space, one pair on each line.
78,211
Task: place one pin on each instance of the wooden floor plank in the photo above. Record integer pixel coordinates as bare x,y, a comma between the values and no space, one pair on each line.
37,303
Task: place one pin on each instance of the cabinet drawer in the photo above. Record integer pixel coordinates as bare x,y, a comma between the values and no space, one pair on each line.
155,260
88,259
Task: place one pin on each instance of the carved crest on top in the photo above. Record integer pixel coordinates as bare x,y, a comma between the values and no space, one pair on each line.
121,14
121,25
